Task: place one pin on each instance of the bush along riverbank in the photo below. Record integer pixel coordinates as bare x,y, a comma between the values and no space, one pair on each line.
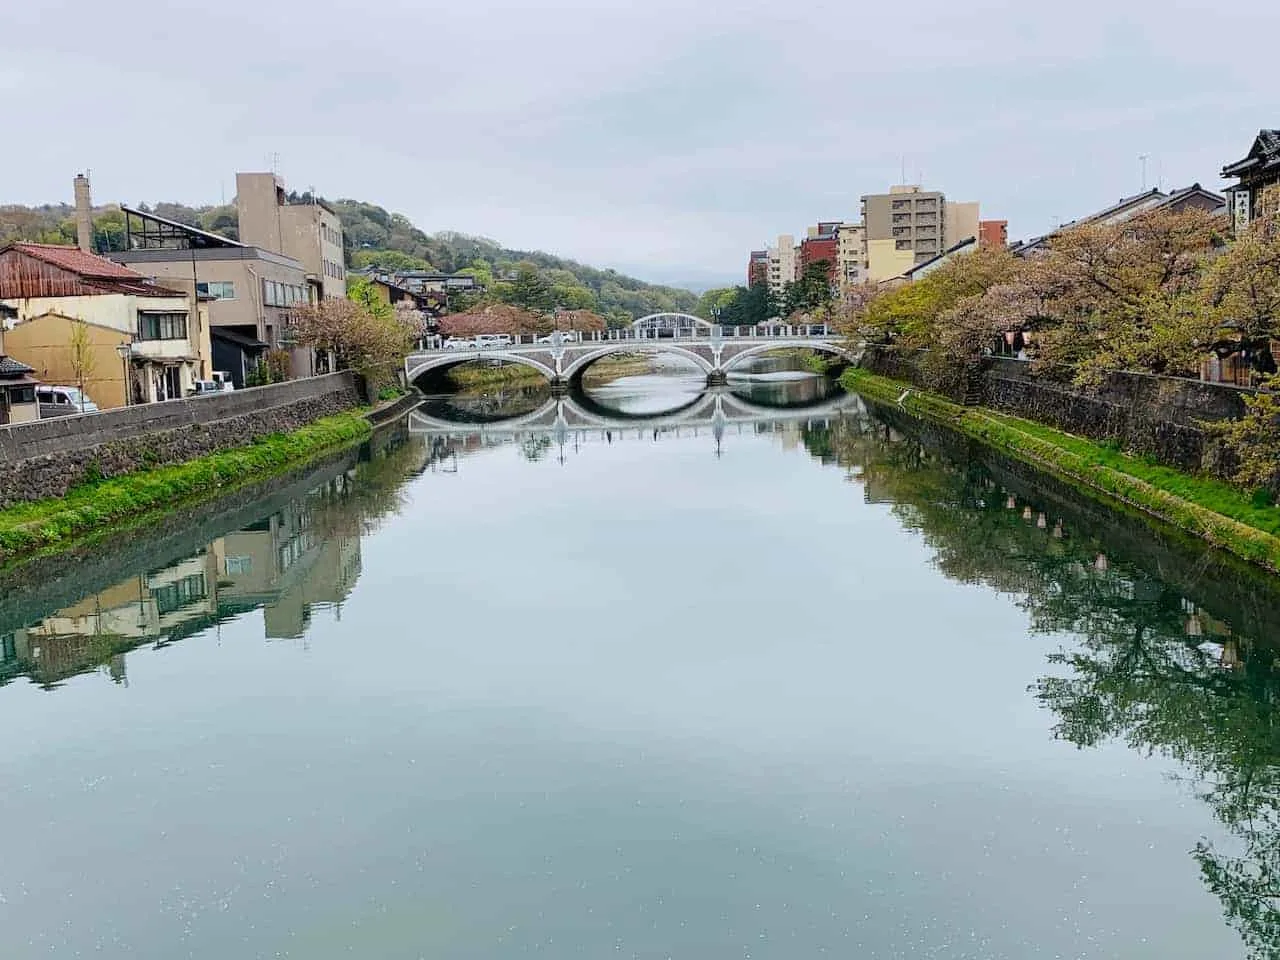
30,529
1213,510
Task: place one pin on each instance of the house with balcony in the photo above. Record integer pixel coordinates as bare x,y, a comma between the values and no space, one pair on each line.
76,318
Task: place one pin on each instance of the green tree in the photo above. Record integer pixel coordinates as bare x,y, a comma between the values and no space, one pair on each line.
529,290
80,356
393,261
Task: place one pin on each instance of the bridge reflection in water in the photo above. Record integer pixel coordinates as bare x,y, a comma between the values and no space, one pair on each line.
716,413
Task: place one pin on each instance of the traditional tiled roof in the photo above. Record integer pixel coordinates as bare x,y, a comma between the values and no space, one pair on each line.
97,274
1264,153
87,265
10,367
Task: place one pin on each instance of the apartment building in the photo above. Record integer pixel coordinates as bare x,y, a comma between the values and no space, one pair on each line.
307,230
993,233
782,264
917,221
820,245
758,267
851,263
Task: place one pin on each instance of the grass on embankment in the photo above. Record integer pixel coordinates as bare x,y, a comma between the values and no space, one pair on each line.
1211,509
36,527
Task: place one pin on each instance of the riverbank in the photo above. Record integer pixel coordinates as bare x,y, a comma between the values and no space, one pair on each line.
33,529
1209,509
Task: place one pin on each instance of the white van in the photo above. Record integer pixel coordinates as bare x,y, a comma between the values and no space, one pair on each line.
69,400
487,341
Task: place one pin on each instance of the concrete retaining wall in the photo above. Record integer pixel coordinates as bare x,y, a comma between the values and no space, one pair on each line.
1145,414
48,457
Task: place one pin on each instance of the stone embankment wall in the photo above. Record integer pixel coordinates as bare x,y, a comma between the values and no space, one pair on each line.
1144,414
48,457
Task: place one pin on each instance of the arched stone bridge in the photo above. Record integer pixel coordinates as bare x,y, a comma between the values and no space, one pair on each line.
715,351
715,407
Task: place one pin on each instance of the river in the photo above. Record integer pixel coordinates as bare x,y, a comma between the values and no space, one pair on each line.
829,682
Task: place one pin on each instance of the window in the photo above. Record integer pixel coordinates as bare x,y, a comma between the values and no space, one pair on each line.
162,326
238,565
23,395
176,595
220,289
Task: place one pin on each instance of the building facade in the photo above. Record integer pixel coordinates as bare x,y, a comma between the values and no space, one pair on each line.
821,245
758,268
250,291
921,222
782,265
851,256
308,231
993,233
48,291
1256,194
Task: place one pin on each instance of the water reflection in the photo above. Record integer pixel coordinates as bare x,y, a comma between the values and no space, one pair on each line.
1175,647
299,560
1156,643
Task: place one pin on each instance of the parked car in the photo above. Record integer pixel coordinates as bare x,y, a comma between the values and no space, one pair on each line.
566,336
68,400
490,340
457,343
202,388
223,380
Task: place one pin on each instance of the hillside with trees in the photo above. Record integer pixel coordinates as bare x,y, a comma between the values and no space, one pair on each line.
390,241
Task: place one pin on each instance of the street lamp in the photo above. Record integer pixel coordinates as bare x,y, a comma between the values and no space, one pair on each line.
124,351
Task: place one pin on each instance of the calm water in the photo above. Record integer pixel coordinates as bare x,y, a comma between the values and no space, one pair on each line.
821,687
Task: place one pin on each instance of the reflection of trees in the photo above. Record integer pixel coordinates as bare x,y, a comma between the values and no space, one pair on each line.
1151,667
355,503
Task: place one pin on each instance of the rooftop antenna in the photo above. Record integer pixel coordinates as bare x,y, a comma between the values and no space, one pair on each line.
904,169
1142,159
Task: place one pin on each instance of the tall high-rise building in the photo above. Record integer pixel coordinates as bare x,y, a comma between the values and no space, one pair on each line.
910,222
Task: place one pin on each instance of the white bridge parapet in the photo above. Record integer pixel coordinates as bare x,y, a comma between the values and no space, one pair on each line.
714,350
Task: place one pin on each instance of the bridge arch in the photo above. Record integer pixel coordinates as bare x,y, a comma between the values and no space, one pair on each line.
424,365
573,371
823,346
680,324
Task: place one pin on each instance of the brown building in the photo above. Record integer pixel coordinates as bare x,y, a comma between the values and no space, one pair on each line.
821,244
993,233
758,267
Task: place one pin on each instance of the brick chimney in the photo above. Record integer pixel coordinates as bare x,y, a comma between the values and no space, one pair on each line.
84,214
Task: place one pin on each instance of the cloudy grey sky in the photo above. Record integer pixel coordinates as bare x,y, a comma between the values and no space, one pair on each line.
664,137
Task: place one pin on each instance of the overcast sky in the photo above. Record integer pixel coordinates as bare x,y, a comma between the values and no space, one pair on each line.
667,138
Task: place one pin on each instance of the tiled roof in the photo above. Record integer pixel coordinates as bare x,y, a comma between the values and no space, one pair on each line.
77,261
10,367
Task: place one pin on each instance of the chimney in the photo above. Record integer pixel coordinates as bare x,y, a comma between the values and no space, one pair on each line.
84,214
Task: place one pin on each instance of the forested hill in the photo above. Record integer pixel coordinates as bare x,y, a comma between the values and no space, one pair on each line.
389,240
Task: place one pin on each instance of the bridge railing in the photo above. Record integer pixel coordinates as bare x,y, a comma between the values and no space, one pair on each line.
762,332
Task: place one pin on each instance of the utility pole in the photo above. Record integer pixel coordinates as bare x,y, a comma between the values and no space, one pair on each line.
1142,158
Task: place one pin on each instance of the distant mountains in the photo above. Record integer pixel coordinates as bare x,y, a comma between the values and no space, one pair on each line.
375,236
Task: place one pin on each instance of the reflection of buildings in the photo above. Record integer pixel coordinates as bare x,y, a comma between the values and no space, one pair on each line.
288,564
